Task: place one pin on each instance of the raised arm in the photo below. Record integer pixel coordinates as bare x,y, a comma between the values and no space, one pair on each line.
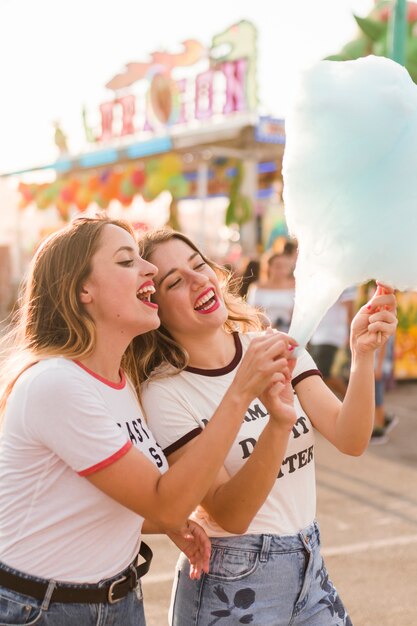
348,425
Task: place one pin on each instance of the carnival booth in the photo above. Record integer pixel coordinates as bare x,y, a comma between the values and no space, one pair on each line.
183,127
180,140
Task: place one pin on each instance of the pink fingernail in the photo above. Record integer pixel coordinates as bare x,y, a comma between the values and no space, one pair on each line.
290,348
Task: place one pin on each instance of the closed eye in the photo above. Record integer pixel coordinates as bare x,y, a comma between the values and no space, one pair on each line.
174,283
127,263
200,265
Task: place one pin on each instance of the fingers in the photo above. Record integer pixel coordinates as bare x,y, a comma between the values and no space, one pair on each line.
376,321
200,549
383,298
278,378
278,345
384,288
267,355
271,335
273,390
382,312
386,327
383,316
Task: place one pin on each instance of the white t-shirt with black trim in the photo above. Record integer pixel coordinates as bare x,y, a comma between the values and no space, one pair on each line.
178,407
277,304
62,423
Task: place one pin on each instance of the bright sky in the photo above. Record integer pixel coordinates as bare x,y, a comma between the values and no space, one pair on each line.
56,55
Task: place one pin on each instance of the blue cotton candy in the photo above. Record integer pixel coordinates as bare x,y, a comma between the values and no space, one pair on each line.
350,182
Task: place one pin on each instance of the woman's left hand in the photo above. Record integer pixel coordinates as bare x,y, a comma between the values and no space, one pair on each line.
194,542
375,322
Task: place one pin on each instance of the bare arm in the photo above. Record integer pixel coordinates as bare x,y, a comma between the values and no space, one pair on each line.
348,425
168,499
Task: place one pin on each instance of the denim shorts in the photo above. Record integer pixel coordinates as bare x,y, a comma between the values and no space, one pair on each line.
263,580
18,609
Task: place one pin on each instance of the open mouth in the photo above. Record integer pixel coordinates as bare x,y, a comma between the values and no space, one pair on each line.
206,302
144,294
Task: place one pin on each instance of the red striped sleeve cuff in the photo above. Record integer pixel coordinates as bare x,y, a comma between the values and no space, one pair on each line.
106,462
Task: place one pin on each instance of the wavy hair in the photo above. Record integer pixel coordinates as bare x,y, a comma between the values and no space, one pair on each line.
158,347
51,320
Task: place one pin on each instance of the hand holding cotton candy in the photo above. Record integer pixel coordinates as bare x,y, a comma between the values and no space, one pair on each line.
350,182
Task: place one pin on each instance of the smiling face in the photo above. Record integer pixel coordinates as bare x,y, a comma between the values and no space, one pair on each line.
118,289
187,291
279,268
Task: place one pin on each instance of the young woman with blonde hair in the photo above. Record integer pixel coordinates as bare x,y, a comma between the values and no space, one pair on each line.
265,566
81,475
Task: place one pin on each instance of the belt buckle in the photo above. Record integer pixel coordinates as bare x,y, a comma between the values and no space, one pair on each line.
110,592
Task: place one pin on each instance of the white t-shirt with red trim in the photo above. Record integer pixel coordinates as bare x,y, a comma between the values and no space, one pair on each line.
61,424
178,407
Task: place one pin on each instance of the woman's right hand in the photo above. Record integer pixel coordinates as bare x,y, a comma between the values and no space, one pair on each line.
278,398
194,542
266,363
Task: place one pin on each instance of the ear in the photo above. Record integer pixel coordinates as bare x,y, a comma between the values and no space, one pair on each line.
85,296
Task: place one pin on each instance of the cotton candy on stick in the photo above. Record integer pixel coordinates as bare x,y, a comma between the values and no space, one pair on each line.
350,182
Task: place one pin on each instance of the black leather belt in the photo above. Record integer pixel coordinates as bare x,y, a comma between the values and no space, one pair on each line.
110,592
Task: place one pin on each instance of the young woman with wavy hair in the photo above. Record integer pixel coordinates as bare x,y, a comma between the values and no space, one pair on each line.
265,566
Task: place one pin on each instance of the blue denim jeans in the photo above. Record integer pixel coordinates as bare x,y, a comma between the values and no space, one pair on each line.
263,580
18,609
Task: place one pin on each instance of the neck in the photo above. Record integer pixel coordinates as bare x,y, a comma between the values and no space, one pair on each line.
212,350
106,359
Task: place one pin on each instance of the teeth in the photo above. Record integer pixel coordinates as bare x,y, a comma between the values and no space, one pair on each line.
205,308
146,291
199,304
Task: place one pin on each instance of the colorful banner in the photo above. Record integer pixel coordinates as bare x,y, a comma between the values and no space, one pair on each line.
405,362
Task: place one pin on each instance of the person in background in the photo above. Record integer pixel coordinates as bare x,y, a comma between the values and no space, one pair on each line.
81,475
329,344
266,567
274,296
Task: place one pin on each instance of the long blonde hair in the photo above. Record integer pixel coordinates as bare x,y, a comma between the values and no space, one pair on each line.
158,347
51,320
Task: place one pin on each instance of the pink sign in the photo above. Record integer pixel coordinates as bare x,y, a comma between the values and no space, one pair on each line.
158,96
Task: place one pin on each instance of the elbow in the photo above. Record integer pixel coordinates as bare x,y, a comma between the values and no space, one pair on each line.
356,453
360,451
237,529
353,450
234,527
233,521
